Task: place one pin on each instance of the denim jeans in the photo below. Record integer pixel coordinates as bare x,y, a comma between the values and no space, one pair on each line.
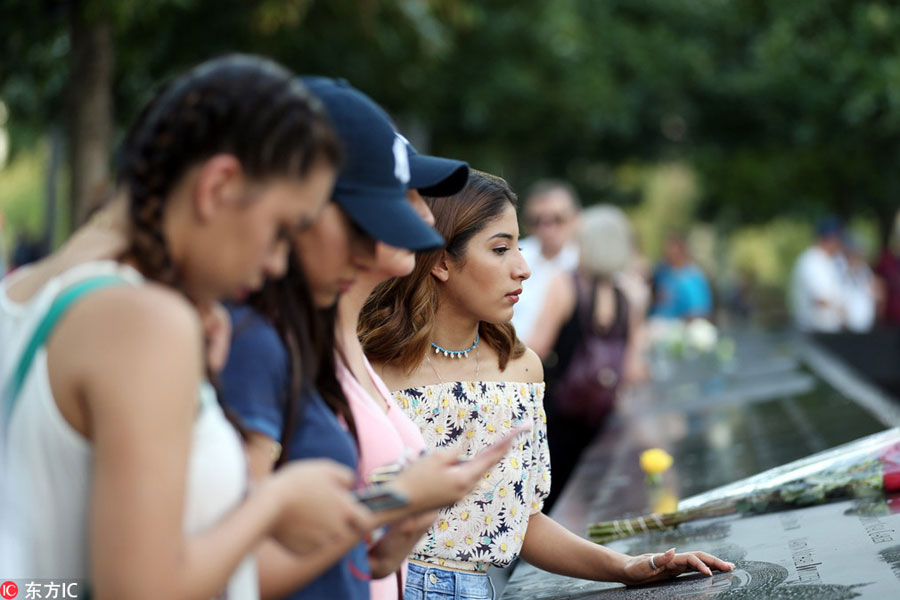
435,583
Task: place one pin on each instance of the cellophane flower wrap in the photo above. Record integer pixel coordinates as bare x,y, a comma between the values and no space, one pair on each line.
868,467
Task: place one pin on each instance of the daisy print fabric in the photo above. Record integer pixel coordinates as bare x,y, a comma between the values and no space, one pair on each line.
488,526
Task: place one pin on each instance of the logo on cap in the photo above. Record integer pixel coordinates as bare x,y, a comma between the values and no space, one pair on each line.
401,160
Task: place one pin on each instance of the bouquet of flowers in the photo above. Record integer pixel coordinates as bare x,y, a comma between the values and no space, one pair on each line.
868,467
676,336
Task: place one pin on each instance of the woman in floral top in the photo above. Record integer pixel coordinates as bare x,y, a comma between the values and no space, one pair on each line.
488,526
441,338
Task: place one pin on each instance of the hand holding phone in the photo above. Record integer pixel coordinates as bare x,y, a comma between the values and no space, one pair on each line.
381,498
442,477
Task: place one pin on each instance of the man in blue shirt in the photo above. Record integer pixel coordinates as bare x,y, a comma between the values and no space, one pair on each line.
680,286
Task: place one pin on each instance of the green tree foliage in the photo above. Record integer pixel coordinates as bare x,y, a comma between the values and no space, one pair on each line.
802,110
781,107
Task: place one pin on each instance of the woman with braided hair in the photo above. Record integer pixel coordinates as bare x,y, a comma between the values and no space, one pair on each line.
125,472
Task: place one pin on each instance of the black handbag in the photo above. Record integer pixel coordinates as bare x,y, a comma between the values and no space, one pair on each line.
589,384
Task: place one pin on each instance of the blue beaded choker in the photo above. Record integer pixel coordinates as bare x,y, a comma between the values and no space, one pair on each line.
456,353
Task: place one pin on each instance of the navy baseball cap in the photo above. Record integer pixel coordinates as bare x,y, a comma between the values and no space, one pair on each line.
375,172
435,176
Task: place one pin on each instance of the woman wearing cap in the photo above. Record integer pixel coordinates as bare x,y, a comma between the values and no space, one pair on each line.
441,338
129,476
387,437
306,415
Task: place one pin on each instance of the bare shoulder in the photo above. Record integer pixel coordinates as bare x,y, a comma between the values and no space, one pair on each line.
141,344
563,279
28,280
396,378
113,332
393,378
561,291
146,313
560,300
527,368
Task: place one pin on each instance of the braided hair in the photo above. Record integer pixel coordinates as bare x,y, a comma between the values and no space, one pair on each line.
246,106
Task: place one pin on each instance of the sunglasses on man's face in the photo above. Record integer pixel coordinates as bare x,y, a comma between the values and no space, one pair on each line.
548,221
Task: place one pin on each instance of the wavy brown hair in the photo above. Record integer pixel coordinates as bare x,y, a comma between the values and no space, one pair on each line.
396,325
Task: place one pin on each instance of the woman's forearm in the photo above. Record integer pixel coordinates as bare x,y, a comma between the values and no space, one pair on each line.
212,556
207,560
551,547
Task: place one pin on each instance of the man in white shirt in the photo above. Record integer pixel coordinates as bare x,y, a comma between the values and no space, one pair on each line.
551,216
817,297
859,287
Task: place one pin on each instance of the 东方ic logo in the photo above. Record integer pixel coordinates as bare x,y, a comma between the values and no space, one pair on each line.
9,590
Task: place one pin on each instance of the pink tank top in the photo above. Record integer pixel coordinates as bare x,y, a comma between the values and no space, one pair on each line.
384,438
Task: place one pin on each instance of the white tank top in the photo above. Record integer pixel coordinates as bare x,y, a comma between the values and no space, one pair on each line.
48,463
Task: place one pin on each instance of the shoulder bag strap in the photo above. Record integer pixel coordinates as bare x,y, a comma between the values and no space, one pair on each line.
586,305
623,314
57,310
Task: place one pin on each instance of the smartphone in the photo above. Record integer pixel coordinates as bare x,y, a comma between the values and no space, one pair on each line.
384,474
380,498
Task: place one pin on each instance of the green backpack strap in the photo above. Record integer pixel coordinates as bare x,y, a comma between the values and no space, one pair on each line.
60,307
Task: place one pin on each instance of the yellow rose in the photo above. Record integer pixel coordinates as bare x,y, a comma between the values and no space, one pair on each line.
655,461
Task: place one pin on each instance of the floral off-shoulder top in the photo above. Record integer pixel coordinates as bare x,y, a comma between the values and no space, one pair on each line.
488,526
